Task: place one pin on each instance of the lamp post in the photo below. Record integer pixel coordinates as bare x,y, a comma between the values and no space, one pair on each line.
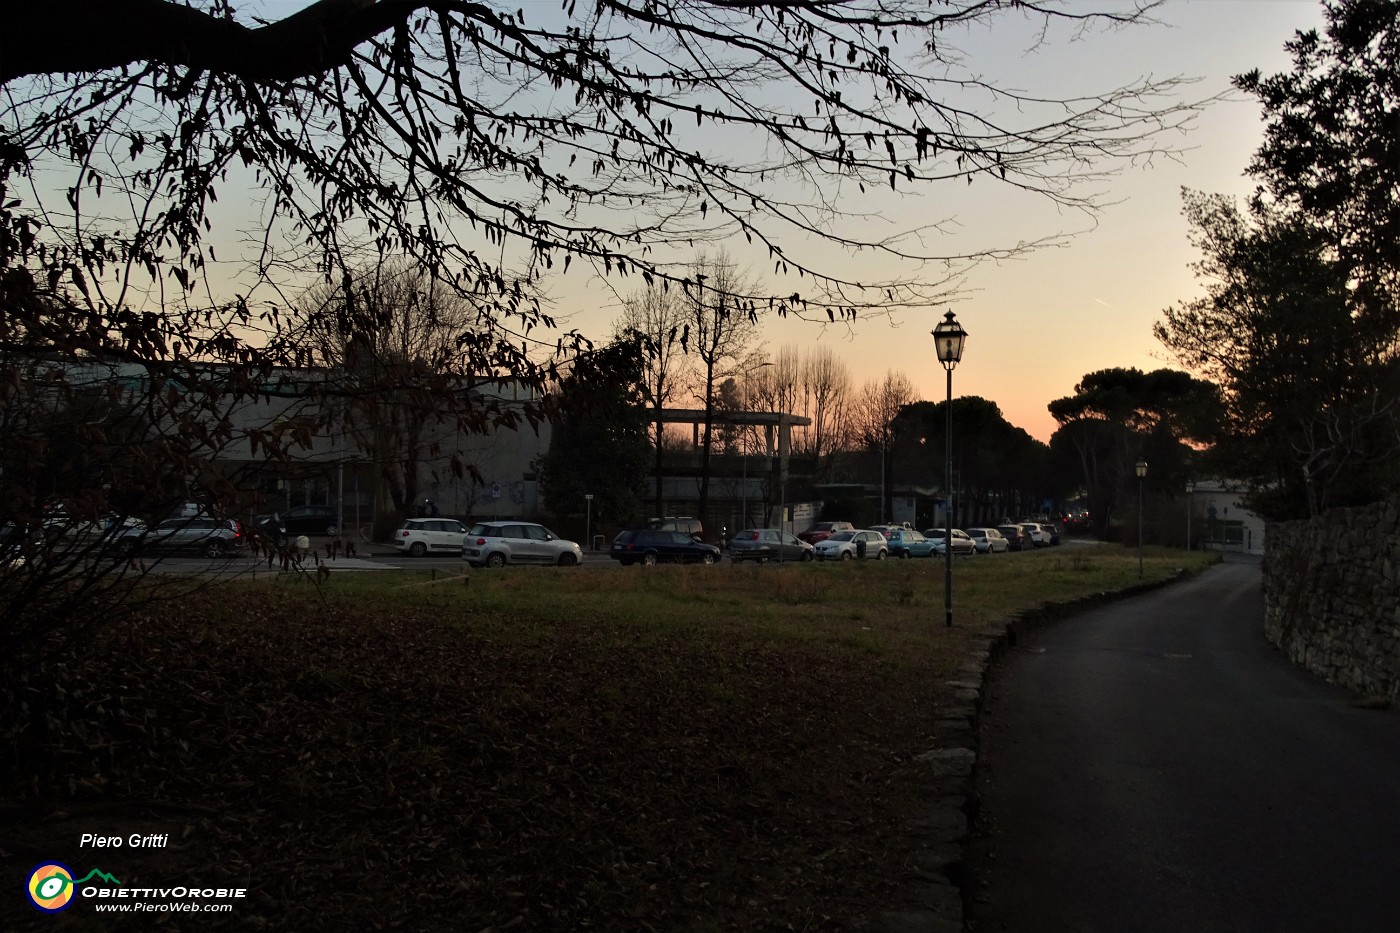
1190,488
948,340
744,478
588,522
1141,468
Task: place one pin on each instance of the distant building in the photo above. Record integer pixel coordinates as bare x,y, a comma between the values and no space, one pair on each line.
1220,522
286,442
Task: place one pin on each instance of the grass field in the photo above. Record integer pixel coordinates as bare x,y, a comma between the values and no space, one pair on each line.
669,748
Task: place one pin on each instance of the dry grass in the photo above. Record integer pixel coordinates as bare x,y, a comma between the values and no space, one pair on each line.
676,748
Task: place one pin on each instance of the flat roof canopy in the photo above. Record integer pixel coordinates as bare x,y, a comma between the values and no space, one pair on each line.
697,416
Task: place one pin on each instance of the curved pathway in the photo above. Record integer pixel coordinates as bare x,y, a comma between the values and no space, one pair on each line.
1155,765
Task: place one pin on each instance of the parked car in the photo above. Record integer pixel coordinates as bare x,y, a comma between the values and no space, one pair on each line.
962,542
420,536
765,544
1035,534
495,544
212,537
651,546
848,545
59,525
686,525
906,542
1016,539
300,520
1053,531
988,540
823,530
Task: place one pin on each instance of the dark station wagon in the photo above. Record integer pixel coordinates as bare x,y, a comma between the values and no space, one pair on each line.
654,546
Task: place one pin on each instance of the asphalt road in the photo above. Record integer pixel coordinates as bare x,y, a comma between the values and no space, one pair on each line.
1156,766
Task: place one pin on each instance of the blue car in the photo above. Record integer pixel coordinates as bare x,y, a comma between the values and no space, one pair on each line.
906,542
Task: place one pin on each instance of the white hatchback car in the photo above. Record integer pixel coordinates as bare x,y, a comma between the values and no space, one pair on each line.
861,543
420,536
495,544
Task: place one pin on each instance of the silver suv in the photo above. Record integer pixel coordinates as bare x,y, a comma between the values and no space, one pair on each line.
495,544
683,524
212,537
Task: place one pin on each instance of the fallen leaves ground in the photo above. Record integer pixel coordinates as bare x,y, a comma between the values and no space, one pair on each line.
685,749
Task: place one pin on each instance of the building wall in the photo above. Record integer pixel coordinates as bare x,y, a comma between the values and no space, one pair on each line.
1220,522
505,461
1332,595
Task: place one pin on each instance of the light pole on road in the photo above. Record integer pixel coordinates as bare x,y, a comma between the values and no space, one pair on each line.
948,340
588,522
1141,468
1190,488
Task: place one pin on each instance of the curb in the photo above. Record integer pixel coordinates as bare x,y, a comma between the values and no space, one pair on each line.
938,887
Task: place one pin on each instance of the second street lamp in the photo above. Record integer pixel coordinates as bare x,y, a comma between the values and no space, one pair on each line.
1141,469
1190,488
948,340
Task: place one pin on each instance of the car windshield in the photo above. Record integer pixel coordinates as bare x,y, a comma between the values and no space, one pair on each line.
842,536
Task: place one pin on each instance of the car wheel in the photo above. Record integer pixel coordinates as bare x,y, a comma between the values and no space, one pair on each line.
332,530
881,554
806,556
496,560
902,555
417,549
846,555
567,560
214,549
707,559
649,559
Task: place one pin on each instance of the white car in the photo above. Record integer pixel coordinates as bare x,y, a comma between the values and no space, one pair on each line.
495,544
962,543
988,540
848,545
1035,534
420,536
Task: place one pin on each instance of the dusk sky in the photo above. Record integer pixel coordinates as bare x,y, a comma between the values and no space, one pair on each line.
1039,324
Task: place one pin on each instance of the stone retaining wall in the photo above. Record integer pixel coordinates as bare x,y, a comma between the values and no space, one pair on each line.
1332,595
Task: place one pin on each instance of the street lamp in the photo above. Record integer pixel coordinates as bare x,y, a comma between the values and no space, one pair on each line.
1190,488
948,340
1141,468
588,522
744,479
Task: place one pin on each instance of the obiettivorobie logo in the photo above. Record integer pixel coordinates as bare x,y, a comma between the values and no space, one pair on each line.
52,885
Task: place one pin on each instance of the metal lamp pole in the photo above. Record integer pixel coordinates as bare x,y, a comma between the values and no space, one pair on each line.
744,481
1190,488
948,340
1141,468
588,522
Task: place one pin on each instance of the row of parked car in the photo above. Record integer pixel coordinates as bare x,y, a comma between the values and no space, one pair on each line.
498,543
904,541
